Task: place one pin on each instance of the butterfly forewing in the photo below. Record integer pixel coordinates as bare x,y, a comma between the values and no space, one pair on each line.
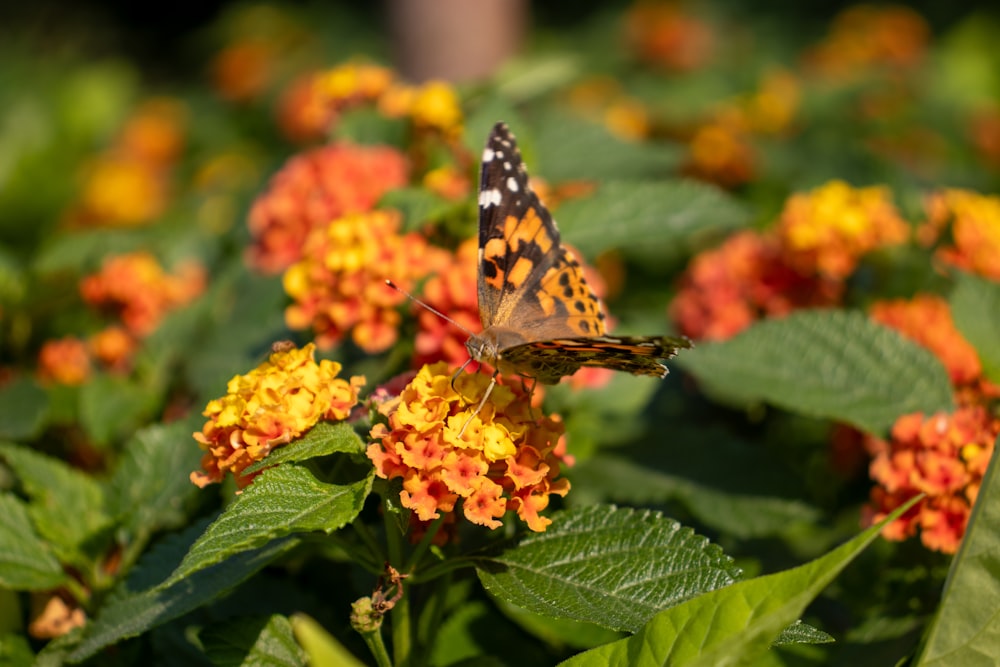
524,272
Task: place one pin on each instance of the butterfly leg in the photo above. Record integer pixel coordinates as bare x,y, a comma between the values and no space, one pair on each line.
530,391
482,402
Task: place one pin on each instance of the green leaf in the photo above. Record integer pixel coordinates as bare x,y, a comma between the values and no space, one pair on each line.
15,651
111,407
151,488
832,364
731,626
659,223
323,439
613,567
569,148
281,501
319,645
975,305
966,629
24,407
67,507
264,641
755,504
26,564
801,633
418,206
133,615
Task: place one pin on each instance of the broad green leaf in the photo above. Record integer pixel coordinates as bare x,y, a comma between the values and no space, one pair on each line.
975,305
832,364
801,633
323,439
754,508
26,564
731,626
67,507
608,566
966,630
24,407
570,148
263,641
319,645
281,501
659,222
418,206
15,651
151,488
133,615
111,407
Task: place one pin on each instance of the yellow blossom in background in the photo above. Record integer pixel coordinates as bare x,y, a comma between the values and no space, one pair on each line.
720,152
120,191
353,82
436,106
973,223
828,229
339,284
506,458
270,406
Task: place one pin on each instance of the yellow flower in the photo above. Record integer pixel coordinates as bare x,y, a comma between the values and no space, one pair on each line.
826,231
270,406
974,222
436,106
503,458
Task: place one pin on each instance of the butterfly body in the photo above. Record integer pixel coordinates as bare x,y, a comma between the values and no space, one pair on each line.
540,317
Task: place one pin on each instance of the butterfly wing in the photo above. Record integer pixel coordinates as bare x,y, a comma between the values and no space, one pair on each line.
549,360
524,272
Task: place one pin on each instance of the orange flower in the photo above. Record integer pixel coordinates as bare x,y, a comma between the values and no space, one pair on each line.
974,224
452,291
926,319
113,347
314,188
602,99
155,131
242,71
64,361
828,229
662,34
136,287
719,152
268,407
448,182
501,459
725,290
944,456
339,284
867,35
984,130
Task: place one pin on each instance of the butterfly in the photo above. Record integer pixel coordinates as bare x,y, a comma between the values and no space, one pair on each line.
541,320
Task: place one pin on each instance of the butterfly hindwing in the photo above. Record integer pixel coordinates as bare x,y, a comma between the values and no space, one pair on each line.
549,361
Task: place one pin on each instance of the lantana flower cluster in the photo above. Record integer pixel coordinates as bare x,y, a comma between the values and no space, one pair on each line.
503,458
944,456
136,287
339,284
314,102
819,238
312,189
126,185
866,35
268,407
971,223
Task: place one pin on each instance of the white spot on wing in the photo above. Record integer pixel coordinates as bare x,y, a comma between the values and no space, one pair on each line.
489,198
487,155
506,166
512,184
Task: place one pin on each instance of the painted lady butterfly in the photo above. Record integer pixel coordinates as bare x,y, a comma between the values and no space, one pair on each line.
540,318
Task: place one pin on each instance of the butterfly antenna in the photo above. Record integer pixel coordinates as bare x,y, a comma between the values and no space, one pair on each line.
426,305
